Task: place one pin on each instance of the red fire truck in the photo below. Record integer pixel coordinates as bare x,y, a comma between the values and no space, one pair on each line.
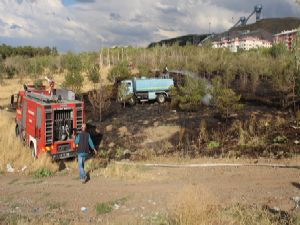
47,120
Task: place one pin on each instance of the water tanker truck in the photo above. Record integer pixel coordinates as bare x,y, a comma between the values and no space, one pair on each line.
146,89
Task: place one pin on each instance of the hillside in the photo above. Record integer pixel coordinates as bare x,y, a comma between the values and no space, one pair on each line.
194,39
272,25
264,28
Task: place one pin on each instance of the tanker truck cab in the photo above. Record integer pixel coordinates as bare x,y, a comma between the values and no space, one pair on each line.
147,89
129,87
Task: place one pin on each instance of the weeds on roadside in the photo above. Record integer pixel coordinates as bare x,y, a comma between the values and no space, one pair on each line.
107,207
55,205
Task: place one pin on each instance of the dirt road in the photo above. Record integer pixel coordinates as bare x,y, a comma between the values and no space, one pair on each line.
141,194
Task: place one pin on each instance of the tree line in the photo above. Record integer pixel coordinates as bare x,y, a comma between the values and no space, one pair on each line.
29,51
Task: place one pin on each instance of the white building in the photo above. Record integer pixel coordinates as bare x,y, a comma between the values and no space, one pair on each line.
286,37
245,43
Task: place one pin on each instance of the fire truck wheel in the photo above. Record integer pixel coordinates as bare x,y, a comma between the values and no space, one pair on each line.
32,150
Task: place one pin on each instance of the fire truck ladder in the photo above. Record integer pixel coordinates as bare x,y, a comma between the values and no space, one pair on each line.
40,97
79,116
49,127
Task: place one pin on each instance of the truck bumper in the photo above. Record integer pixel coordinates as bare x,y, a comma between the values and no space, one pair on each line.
64,155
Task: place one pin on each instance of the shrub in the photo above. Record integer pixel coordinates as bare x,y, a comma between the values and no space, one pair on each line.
11,71
107,207
188,97
277,50
225,100
42,172
103,208
213,145
38,83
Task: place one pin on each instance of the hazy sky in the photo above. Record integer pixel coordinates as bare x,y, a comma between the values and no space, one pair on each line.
84,25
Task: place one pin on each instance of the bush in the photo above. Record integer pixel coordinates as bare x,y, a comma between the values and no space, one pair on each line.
11,71
38,83
213,145
277,50
225,100
188,97
42,172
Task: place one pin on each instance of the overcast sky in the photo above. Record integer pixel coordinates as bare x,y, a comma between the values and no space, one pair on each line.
84,25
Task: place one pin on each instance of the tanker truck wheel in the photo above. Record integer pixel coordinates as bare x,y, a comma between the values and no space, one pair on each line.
132,101
161,98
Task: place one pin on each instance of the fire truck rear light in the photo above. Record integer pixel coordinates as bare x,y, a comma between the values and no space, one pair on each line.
52,147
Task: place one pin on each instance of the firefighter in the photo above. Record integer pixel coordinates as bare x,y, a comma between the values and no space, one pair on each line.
82,142
165,70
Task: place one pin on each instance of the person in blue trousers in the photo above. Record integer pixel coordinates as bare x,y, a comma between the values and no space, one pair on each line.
82,142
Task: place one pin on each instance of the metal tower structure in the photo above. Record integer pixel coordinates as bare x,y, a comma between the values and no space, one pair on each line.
243,20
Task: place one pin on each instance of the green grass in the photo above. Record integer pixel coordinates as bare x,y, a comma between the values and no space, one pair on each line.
42,172
104,207
55,205
107,207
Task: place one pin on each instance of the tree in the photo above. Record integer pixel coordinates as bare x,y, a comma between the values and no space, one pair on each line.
93,75
100,99
2,70
188,97
123,95
144,69
119,72
296,52
225,100
73,79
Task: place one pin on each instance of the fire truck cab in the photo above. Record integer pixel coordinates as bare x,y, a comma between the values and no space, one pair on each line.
46,121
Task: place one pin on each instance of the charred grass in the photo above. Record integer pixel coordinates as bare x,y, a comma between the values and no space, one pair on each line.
148,131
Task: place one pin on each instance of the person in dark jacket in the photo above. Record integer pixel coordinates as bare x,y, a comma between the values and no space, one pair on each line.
82,142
